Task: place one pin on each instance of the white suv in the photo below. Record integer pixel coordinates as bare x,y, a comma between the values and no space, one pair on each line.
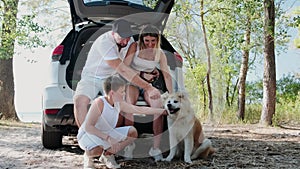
91,18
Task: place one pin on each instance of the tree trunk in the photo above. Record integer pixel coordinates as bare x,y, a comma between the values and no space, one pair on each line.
7,108
269,81
243,73
204,94
210,105
8,35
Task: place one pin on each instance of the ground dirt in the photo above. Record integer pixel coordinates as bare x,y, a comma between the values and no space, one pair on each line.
239,146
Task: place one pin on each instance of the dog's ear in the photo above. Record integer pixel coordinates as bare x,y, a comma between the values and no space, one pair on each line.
182,95
165,96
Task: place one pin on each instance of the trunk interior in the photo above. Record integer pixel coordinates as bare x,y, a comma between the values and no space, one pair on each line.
84,41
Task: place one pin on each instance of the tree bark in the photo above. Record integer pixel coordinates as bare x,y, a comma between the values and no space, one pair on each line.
269,79
243,73
210,105
7,108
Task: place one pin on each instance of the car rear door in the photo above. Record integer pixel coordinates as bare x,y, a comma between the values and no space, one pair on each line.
104,11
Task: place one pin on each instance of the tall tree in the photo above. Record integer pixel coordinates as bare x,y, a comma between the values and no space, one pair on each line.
250,16
8,32
269,79
243,72
13,30
208,74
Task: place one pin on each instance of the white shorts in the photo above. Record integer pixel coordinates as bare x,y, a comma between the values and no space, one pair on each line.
88,141
90,87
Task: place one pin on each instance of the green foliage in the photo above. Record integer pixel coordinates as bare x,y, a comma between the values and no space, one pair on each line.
288,111
226,23
150,3
8,28
252,115
282,27
29,32
24,30
195,85
288,88
254,92
296,23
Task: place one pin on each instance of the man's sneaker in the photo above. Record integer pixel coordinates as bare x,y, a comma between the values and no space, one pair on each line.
109,161
128,151
156,154
88,162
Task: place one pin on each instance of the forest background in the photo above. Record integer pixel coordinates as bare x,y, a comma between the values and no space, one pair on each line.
221,42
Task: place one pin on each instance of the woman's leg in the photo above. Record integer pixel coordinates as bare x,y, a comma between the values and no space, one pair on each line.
157,120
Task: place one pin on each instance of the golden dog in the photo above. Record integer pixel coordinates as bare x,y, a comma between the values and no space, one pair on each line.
185,130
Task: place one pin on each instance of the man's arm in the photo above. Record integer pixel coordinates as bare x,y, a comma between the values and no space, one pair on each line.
166,72
130,54
133,77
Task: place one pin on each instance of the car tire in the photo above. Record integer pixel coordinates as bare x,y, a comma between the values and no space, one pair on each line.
51,139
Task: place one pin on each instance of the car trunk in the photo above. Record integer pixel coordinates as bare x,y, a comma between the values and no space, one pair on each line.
90,19
85,39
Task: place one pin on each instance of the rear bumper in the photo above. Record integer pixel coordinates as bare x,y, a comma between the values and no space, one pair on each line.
64,117
63,121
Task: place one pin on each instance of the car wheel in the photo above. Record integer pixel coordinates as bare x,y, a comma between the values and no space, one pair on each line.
51,139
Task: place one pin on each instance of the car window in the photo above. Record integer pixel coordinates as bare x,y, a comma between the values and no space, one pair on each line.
146,3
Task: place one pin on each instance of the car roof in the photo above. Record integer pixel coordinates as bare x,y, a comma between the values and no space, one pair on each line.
135,11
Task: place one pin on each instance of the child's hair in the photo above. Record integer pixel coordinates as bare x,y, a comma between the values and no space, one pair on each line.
113,82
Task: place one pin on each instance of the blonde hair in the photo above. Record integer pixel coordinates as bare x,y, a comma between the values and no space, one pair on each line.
150,30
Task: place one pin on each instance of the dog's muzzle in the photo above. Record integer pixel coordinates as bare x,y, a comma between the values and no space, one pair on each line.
172,109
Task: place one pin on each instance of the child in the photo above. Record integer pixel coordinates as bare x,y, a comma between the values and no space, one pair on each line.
99,134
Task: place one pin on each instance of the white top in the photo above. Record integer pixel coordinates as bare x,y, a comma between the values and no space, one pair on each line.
104,48
106,123
108,118
141,64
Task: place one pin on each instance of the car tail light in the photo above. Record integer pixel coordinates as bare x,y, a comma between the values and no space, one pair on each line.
51,111
178,57
57,53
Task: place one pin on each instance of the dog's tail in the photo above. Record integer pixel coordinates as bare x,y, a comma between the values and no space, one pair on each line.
202,148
